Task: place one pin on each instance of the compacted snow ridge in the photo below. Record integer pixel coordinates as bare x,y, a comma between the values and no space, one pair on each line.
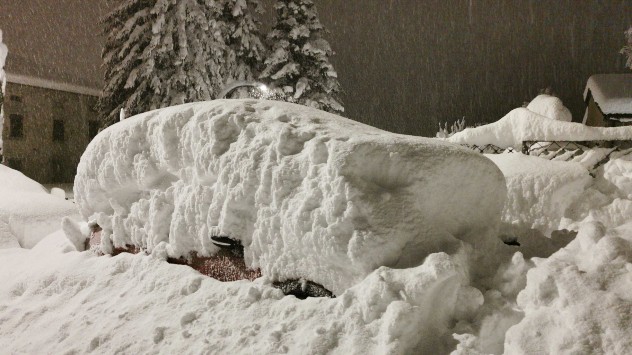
309,194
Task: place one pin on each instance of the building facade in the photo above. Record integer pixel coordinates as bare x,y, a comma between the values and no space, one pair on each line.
47,127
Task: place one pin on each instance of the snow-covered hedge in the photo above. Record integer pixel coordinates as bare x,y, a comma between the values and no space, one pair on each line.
310,194
522,124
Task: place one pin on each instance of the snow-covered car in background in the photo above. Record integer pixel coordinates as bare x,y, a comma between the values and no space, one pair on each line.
310,195
28,213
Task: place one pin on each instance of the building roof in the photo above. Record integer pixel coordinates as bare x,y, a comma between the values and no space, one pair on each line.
50,84
611,92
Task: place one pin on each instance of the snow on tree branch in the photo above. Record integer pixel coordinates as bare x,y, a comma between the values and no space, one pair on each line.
299,62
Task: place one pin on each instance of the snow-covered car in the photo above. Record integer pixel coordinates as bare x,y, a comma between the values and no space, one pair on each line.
310,195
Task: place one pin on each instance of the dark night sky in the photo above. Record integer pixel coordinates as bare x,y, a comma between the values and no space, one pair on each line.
404,64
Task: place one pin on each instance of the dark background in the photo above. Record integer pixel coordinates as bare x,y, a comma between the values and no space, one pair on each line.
405,64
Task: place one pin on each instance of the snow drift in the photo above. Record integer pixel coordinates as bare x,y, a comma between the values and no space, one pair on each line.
522,124
578,301
27,211
69,302
309,194
539,191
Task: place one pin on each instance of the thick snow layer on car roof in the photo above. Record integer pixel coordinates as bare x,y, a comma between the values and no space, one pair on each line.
27,211
612,92
524,125
310,194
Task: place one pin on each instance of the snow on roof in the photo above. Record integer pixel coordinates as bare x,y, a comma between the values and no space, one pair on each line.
524,125
50,84
611,92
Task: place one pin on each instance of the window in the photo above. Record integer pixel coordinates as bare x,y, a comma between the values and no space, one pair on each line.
93,129
16,126
56,172
15,163
58,130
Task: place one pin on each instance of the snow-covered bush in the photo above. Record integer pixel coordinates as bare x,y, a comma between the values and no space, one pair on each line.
298,63
627,49
457,126
309,194
550,106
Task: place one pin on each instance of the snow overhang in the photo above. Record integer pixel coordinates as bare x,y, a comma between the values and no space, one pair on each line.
52,85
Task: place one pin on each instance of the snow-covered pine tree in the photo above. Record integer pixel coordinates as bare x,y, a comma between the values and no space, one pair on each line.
627,49
243,39
160,53
299,58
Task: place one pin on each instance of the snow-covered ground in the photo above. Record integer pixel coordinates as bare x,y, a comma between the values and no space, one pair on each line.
543,297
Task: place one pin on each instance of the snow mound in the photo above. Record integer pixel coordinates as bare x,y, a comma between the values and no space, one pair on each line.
309,194
578,301
522,124
539,191
609,199
27,211
551,107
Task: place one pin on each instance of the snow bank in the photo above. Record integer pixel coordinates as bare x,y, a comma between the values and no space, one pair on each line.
309,194
27,211
578,301
539,191
551,107
76,303
609,199
522,124
612,92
